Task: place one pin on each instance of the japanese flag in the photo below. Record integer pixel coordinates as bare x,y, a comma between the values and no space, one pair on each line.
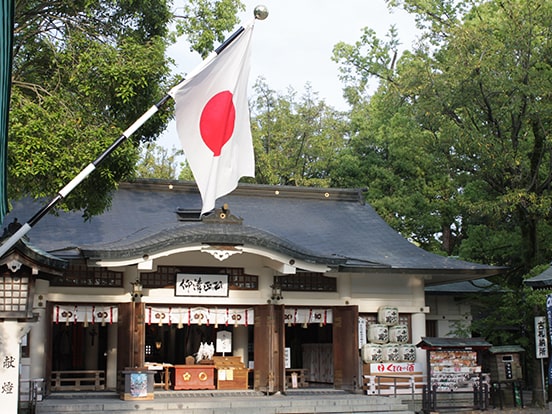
212,120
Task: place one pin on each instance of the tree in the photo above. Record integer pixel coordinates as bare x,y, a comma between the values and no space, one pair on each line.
208,21
477,84
474,96
158,162
295,140
409,170
83,72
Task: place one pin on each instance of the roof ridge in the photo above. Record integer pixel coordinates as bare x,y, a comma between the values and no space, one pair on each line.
246,189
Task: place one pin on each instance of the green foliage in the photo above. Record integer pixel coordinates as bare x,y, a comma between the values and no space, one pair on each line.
158,162
208,21
508,318
455,145
295,140
83,72
457,132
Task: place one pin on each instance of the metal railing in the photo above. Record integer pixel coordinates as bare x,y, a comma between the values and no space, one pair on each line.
394,384
475,399
30,391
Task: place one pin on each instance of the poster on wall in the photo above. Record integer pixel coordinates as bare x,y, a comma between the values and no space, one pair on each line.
454,370
201,285
138,384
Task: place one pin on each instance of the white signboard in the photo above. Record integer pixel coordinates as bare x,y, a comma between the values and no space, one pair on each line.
361,332
395,367
224,341
541,340
201,285
9,368
287,357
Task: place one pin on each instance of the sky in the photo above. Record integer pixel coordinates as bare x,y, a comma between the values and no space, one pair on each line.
293,45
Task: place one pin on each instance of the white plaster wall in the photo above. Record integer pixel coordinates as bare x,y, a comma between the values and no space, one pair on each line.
367,291
449,313
370,291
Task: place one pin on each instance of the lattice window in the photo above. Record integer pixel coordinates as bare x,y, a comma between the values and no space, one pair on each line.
404,319
162,278
370,318
307,282
14,293
82,275
165,276
243,282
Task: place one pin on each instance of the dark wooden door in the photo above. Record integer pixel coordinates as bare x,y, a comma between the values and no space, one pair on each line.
345,348
269,371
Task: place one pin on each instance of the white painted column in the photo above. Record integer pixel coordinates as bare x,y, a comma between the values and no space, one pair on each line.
344,287
38,337
239,345
37,349
418,331
111,366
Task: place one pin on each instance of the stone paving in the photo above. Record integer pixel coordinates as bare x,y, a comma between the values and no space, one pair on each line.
227,403
250,402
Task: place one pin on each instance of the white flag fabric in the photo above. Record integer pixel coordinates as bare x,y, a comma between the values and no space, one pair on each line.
212,121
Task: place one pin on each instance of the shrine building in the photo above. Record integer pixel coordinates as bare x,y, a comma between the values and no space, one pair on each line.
276,280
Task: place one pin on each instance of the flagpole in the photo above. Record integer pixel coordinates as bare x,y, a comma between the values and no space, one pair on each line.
260,13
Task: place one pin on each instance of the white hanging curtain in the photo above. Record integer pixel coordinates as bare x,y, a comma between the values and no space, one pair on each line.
88,314
304,316
182,315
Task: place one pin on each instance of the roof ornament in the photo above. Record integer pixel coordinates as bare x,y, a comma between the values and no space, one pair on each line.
222,215
221,252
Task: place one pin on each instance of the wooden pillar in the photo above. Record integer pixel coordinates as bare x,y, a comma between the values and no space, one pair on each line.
269,342
131,336
139,336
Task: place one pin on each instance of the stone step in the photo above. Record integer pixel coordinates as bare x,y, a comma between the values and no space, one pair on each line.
214,402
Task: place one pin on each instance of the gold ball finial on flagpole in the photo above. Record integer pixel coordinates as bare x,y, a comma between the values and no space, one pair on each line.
260,12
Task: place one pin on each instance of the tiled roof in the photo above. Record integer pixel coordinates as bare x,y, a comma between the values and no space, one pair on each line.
464,287
453,343
35,257
506,349
327,226
542,280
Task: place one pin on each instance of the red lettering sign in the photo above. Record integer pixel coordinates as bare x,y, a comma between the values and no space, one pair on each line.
396,367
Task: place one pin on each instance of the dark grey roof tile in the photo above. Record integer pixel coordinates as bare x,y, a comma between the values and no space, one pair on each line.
321,224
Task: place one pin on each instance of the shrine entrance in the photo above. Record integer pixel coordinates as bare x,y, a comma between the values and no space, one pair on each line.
173,344
322,346
79,347
82,347
310,355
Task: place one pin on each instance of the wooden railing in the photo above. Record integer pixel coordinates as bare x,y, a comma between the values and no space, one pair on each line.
394,384
296,378
86,380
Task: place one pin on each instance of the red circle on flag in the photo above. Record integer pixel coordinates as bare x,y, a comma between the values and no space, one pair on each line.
216,124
